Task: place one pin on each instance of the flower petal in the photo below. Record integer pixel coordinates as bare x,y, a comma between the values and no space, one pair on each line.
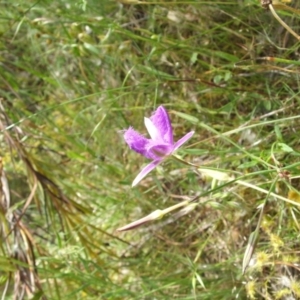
137,142
161,121
153,132
183,140
145,171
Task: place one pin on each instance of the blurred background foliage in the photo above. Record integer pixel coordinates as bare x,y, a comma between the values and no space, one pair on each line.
73,75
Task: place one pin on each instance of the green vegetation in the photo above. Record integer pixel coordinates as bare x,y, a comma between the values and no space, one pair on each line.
74,75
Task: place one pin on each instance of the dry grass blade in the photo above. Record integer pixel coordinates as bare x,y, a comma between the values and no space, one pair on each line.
19,246
252,242
269,4
288,28
18,240
26,279
35,170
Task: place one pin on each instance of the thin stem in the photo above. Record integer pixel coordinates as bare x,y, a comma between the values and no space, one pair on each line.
288,28
184,162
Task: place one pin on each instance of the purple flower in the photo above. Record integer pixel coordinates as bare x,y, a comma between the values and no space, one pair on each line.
159,146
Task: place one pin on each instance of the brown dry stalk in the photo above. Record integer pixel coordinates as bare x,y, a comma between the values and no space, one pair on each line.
268,4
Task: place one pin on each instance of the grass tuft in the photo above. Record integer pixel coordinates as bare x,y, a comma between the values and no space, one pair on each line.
221,218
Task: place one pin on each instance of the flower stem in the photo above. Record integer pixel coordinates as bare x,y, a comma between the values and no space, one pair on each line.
184,162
